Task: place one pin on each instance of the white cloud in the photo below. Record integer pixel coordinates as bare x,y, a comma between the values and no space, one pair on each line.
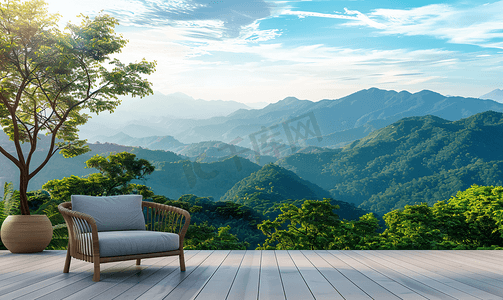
248,70
200,56
273,72
475,25
229,16
353,15
480,25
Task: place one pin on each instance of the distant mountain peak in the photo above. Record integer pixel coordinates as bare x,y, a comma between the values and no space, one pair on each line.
177,94
374,89
496,95
121,135
282,103
428,93
287,101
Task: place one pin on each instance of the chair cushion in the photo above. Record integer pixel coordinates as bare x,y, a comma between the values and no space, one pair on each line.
112,213
118,243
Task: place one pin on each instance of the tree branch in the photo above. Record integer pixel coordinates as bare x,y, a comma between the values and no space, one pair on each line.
50,153
10,157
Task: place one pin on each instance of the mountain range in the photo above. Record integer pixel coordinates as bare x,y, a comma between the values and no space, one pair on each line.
138,116
414,159
293,123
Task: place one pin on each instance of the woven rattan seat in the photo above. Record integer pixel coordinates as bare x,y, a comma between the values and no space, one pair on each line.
84,235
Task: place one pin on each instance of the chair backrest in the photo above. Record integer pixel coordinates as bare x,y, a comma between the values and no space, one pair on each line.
112,213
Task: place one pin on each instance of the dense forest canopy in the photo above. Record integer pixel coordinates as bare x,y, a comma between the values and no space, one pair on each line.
414,160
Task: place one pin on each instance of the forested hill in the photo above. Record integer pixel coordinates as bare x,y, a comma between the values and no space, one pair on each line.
273,184
174,179
414,160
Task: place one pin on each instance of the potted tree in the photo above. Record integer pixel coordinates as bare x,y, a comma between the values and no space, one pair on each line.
47,78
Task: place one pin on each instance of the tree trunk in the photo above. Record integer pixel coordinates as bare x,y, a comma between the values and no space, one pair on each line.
23,189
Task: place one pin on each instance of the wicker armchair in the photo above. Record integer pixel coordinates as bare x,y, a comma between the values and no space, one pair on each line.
84,236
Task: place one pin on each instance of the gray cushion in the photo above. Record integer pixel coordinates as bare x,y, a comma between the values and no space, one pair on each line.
112,212
118,243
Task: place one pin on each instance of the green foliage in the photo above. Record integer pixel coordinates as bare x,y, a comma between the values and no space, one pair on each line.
59,239
10,204
121,168
315,226
482,209
361,234
204,237
10,201
272,186
471,220
116,172
310,227
241,220
50,76
417,227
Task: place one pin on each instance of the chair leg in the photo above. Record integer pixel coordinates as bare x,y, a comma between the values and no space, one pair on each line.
96,276
182,261
67,261
138,261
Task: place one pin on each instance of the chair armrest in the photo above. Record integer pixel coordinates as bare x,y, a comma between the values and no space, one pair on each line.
162,217
82,231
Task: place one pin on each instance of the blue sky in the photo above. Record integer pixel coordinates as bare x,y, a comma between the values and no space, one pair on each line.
264,51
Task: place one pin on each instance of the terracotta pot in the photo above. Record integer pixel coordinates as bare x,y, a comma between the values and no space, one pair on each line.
26,234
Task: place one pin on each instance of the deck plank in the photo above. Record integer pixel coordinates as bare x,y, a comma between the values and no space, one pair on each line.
70,284
16,262
168,283
219,285
491,288
193,283
294,284
246,283
151,273
239,274
270,286
472,260
398,274
489,256
441,283
341,283
26,266
368,285
117,278
435,256
35,280
457,280
317,284
373,272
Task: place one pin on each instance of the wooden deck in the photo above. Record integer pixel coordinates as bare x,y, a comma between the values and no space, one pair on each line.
261,275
